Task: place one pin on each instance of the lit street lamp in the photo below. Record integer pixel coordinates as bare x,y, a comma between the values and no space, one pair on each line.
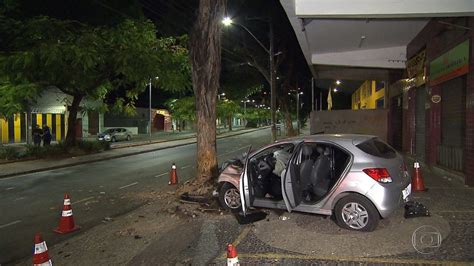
227,22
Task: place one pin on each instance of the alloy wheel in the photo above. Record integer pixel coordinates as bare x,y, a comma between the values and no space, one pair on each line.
355,215
232,198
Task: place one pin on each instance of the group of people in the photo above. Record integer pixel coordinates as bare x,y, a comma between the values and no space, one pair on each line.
42,134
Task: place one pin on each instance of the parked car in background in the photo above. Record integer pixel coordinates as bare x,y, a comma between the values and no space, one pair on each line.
357,178
115,134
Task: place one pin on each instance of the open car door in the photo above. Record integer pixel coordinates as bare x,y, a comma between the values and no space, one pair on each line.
291,182
244,187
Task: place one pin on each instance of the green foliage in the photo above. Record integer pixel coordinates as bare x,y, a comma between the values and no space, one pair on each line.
227,108
88,62
256,116
51,151
60,150
9,153
93,146
182,109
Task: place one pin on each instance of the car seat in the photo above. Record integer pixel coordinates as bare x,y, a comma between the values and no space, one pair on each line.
321,174
306,166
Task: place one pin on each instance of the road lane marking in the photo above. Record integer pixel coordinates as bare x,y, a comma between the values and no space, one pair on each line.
161,174
20,198
86,199
10,188
186,166
9,224
129,185
239,239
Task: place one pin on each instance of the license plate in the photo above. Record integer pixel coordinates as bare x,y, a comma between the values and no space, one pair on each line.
407,191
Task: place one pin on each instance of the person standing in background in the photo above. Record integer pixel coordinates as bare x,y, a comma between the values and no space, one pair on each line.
37,132
46,135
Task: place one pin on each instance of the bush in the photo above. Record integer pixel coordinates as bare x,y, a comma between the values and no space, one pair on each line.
9,153
251,124
60,149
93,146
55,150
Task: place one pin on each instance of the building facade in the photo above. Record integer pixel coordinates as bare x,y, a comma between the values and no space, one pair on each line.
437,98
370,95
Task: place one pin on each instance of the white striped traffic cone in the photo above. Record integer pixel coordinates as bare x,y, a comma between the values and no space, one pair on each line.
232,258
66,223
40,255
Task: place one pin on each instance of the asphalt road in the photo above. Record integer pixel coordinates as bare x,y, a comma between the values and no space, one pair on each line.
99,191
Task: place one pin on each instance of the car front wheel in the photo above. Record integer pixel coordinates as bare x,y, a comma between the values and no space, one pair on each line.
229,197
356,212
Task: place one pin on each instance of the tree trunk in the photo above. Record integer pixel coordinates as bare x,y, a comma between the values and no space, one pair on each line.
229,120
290,132
71,121
205,54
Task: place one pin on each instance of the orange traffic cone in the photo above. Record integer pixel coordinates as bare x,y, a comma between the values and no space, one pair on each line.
173,176
232,258
417,183
40,255
66,223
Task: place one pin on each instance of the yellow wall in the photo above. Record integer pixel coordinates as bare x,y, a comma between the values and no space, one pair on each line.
58,127
17,127
366,96
3,130
39,120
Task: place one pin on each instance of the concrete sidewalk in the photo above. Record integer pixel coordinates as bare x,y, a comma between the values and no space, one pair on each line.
166,231
118,151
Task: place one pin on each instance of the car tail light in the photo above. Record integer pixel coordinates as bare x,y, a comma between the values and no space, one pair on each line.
379,174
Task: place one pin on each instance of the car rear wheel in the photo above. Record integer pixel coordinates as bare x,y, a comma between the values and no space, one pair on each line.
229,197
355,212
129,138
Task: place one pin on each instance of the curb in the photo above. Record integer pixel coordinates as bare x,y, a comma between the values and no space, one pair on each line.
122,155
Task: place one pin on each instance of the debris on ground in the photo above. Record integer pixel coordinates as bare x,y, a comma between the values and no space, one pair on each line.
415,209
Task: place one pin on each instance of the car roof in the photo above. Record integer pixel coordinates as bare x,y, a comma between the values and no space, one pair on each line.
337,138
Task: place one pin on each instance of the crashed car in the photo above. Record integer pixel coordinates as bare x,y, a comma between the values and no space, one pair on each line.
357,178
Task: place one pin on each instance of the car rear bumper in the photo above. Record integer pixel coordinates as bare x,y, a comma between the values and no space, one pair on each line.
388,198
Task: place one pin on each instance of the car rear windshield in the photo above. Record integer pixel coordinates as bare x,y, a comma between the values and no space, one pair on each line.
377,148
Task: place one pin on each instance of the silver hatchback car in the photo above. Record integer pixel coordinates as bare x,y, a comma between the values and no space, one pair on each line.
357,178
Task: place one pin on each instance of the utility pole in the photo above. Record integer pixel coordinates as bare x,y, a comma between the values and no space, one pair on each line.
149,111
297,112
312,94
272,83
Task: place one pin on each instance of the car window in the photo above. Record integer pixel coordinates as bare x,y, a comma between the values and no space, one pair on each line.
377,148
288,147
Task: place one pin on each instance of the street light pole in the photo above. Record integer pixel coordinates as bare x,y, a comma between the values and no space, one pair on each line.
271,53
298,111
149,111
272,84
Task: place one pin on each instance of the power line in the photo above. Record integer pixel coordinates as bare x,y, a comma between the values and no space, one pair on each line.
112,9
